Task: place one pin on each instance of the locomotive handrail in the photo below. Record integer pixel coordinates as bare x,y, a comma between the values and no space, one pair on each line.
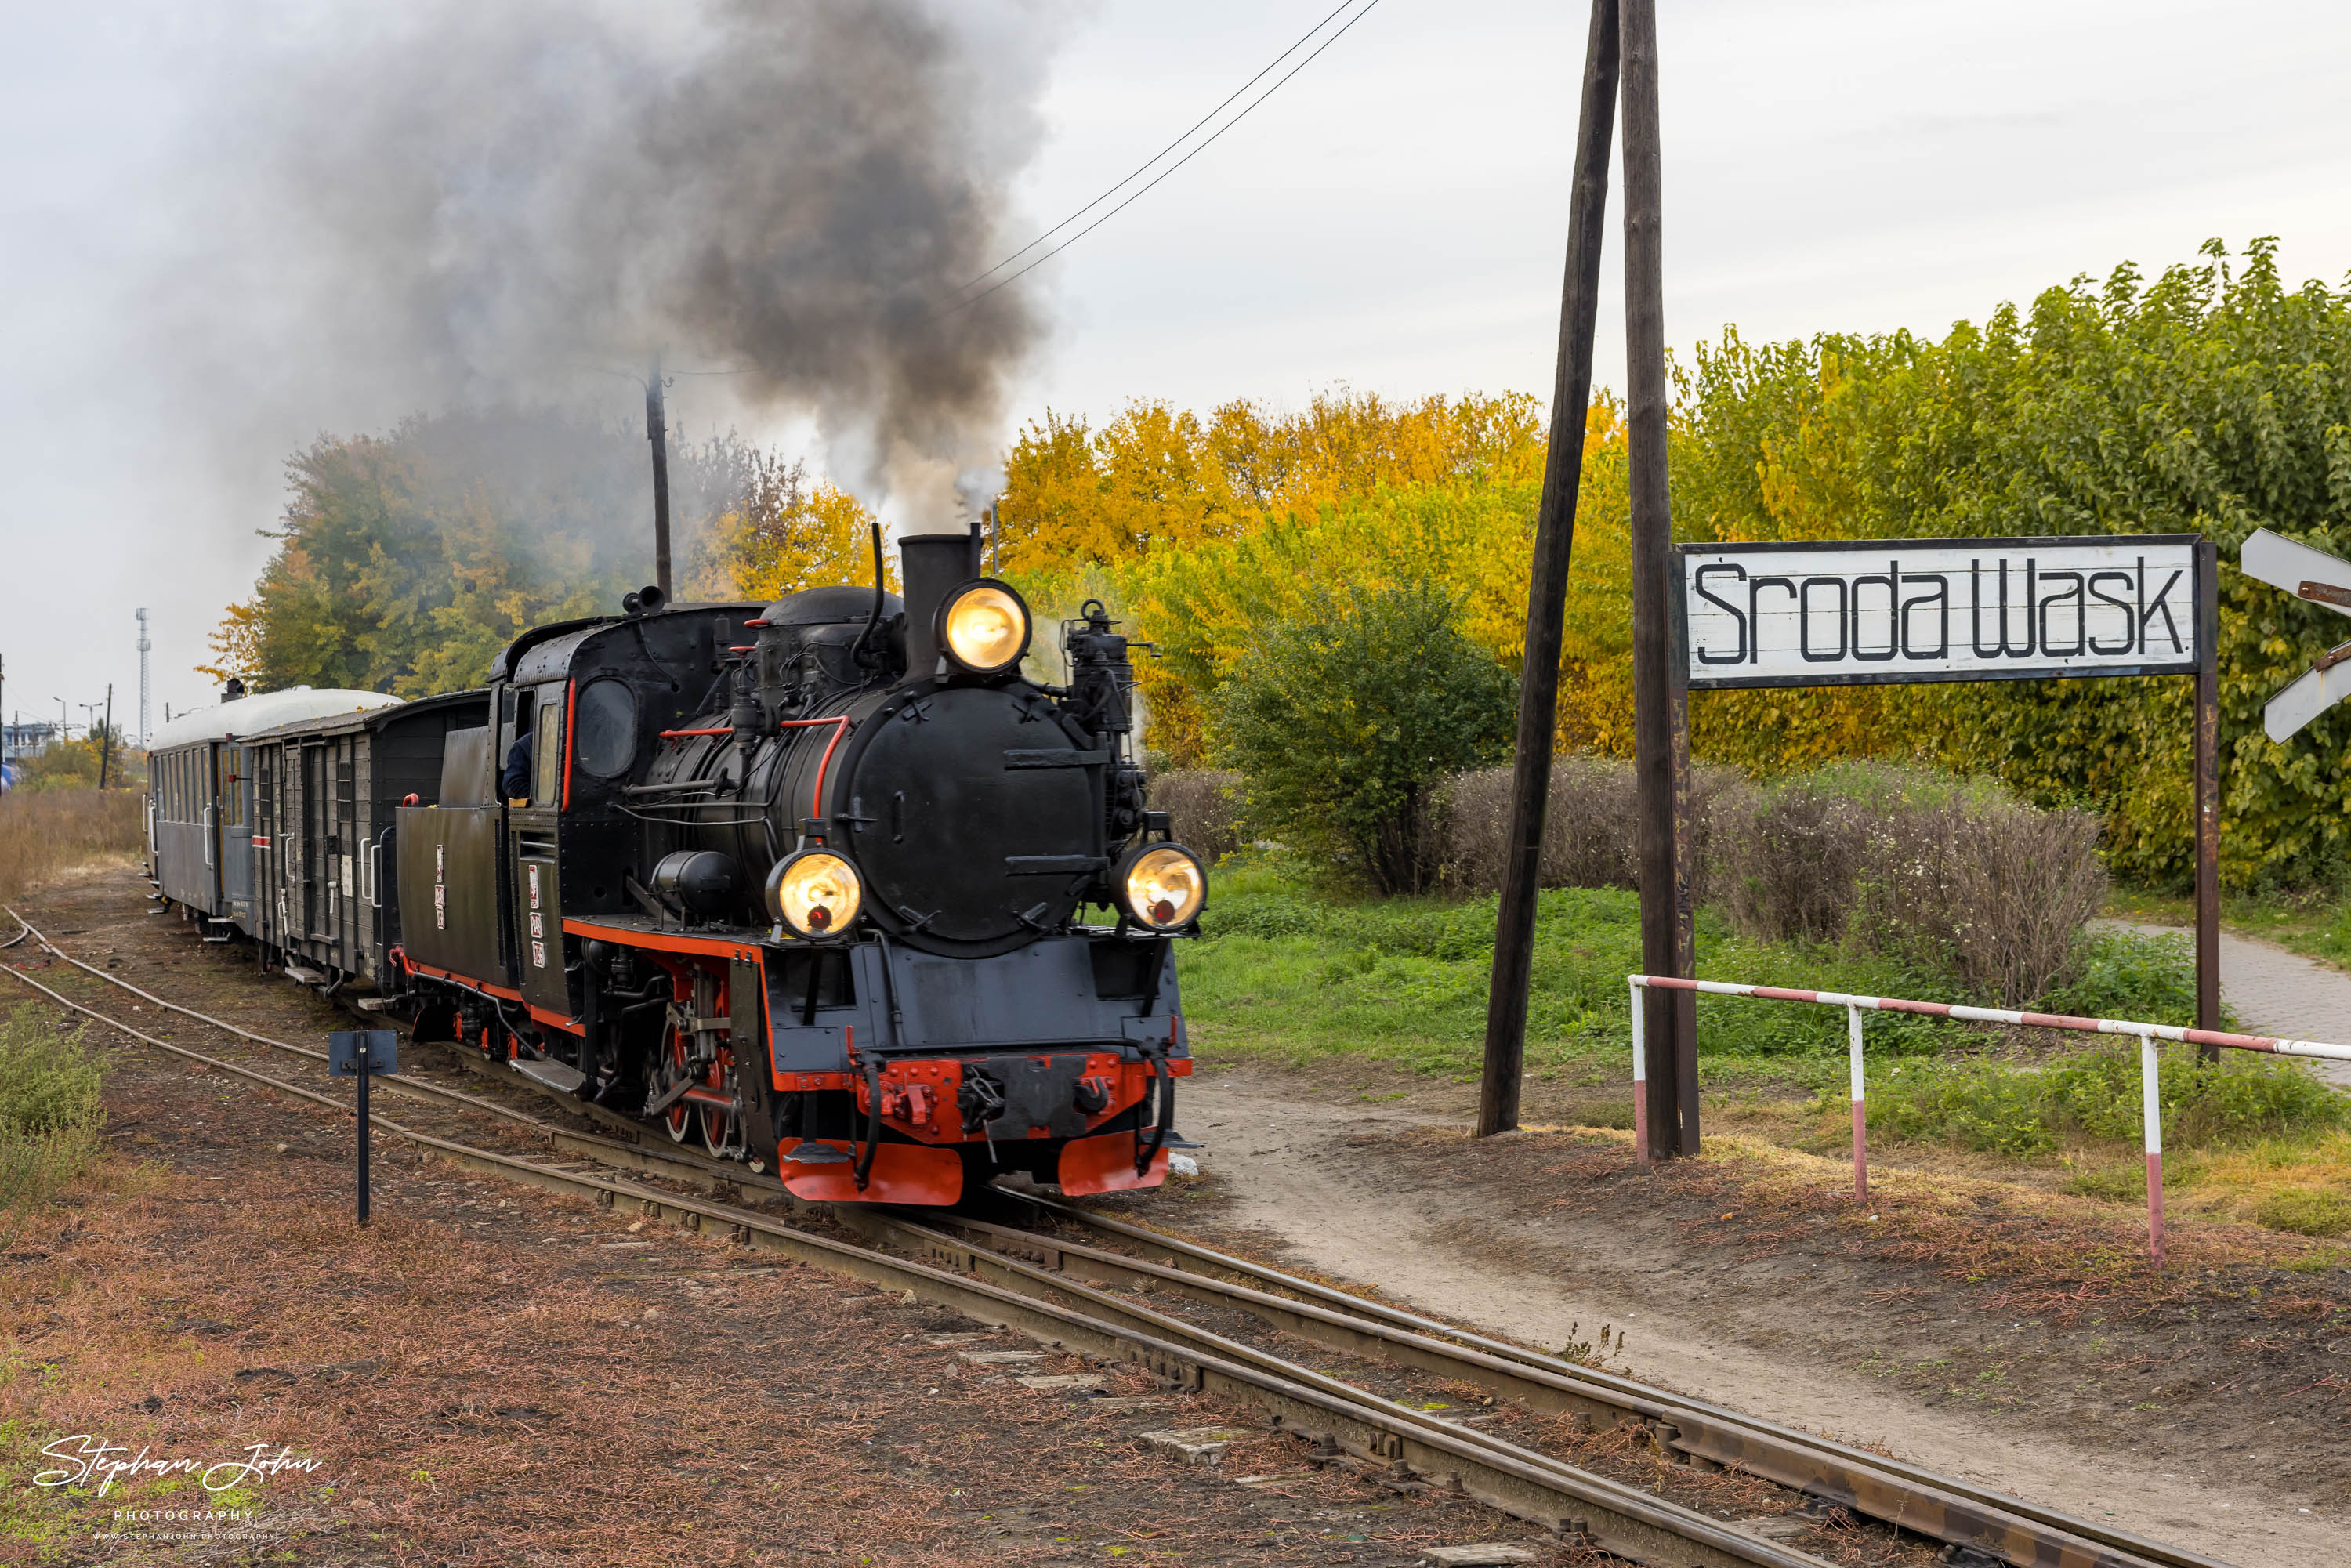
375,869
841,725
729,729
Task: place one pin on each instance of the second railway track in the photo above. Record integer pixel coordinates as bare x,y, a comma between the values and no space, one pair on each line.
1018,1267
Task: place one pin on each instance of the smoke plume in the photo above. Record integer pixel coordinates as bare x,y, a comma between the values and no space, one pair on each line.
459,204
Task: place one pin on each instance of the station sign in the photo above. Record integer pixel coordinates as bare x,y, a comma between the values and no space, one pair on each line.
1877,611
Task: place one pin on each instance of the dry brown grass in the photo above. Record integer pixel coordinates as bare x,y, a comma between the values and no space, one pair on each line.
1210,806
1911,863
1587,828
46,831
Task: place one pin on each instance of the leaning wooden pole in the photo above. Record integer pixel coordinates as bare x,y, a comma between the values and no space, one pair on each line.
1671,1132
1579,309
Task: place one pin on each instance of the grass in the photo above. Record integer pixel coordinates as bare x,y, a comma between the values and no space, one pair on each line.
42,832
1289,977
2093,1097
1293,976
2314,922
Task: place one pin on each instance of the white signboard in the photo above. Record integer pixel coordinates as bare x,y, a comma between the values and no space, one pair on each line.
1849,611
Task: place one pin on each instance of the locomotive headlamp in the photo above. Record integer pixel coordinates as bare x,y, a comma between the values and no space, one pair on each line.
816,892
984,626
1161,886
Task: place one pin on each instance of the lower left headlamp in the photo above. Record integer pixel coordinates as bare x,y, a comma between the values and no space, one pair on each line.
815,893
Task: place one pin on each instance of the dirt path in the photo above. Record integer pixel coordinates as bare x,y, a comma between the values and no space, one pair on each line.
1793,1340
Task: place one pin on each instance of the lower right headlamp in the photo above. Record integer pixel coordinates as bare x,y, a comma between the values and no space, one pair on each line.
1160,886
815,893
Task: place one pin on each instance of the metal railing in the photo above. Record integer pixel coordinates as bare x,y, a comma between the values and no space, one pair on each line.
2147,1034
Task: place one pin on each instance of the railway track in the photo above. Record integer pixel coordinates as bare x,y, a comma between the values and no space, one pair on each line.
1017,1267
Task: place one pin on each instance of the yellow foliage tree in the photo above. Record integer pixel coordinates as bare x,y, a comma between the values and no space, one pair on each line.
1156,477
787,535
1465,525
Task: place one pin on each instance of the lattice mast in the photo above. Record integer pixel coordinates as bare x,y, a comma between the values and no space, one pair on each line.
144,646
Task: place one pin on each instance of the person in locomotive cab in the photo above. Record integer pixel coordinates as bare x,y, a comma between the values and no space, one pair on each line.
514,782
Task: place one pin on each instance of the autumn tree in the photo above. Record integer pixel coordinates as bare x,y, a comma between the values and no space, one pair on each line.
783,534
406,561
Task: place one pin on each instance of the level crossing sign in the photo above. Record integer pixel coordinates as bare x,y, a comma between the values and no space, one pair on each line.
2320,578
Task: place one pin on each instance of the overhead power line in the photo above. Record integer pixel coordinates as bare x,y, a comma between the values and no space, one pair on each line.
1205,145
1145,167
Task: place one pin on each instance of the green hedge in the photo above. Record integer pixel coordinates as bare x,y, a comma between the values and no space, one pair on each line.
2214,400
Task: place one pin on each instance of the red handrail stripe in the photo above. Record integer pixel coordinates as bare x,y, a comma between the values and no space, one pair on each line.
570,707
841,725
816,798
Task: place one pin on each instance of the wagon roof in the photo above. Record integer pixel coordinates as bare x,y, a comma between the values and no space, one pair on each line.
376,719
267,710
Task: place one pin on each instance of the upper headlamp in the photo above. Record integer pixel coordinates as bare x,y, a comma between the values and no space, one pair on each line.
815,893
1161,886
984,626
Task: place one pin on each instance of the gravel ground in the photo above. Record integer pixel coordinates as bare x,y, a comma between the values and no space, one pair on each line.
490,1375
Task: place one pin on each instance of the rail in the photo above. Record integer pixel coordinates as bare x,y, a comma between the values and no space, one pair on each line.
1589,1510
2147,1034
1075,1278
1949,1509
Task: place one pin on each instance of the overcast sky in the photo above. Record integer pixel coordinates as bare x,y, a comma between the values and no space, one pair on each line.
1392,220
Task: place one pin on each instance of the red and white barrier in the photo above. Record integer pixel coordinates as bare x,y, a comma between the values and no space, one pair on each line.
2150,1088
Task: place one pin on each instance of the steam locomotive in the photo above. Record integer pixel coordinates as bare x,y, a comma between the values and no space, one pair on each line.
827,885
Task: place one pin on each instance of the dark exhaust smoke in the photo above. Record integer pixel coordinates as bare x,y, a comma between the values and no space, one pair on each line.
473,204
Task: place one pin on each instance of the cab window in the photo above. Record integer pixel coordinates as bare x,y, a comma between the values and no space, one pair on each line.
546,749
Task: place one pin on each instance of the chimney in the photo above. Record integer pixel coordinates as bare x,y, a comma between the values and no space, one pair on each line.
931,566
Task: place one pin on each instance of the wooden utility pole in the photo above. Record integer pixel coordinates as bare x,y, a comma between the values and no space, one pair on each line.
657,432
1671,1034
1514,934
106,737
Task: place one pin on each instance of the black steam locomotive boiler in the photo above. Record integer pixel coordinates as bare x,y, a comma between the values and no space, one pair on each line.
829,885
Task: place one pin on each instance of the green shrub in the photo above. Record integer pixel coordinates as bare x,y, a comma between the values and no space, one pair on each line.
49,1111
48,1081
2304,1212
1346,720
2117,974
2211,399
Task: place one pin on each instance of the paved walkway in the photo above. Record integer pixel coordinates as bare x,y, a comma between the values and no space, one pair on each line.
2275,992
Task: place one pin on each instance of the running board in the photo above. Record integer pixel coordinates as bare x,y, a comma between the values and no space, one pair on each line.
553,1074
302,977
